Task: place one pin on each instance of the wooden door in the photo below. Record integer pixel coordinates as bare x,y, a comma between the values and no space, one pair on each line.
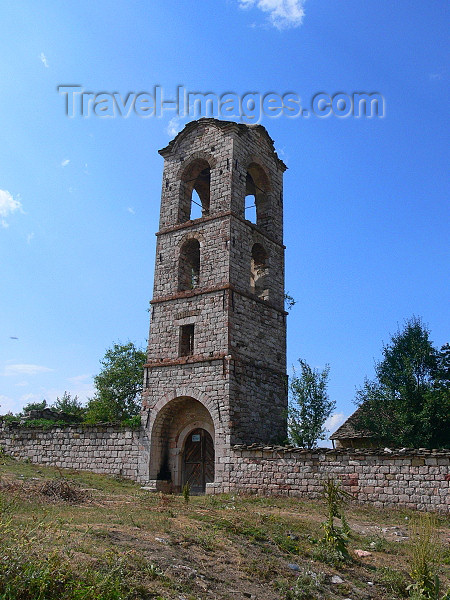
198,460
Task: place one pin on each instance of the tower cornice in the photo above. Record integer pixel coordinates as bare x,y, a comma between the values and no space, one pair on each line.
211,290
228,213
226,127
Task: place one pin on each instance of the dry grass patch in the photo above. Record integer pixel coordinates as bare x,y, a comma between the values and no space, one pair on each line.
123,543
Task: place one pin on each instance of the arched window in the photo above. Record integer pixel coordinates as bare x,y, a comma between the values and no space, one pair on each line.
257,205
195,191
250,199
189,265
259,272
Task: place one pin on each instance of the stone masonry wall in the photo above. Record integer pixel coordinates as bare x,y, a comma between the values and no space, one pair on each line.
403,478
100,449
417,479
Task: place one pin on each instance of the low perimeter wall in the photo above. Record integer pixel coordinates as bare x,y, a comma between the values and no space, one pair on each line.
112,450
418,479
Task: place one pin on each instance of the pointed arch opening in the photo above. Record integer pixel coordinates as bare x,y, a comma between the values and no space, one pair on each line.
195,191
259,272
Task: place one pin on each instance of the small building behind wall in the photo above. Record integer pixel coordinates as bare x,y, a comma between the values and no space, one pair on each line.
216,369
348,435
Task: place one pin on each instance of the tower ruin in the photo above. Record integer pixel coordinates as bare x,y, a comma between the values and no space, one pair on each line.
216,369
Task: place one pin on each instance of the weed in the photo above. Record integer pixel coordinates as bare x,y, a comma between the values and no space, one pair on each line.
206,539
186,492
376,543
153,572
286,543
425,558
393,580
262,569
446,556
336,538
308,586
330,555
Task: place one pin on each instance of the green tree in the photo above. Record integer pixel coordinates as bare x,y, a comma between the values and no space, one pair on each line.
34,406
309,406
118,385
71,407
408,404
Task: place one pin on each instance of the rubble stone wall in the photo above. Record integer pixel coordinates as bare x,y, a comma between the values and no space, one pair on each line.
417,479
101,449
405,478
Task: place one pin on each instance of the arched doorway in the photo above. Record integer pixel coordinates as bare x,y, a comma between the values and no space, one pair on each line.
198,460
171,431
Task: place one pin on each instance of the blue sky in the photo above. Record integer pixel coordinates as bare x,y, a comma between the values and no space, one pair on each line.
366,200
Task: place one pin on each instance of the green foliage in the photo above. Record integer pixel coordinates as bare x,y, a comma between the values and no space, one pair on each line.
335,537
9,418
28,573
289,301
393,580
69,406
118,385
409,402
132,422
186,492
425,558
35,406
43,423
309,406
309,585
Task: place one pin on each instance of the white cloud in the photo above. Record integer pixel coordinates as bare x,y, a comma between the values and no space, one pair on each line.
24,369
26,398
79,379
8,206
30,236
65,162
7,405
282,14
335,421
80,385
174,126
438,76
43,60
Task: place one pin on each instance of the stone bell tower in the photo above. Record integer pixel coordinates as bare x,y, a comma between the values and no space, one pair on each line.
216,370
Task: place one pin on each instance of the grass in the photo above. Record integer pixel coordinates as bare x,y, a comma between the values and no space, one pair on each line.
111,540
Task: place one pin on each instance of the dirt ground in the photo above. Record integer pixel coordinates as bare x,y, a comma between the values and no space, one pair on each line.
216,547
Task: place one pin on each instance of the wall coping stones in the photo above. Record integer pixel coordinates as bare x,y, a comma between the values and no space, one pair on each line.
388,452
